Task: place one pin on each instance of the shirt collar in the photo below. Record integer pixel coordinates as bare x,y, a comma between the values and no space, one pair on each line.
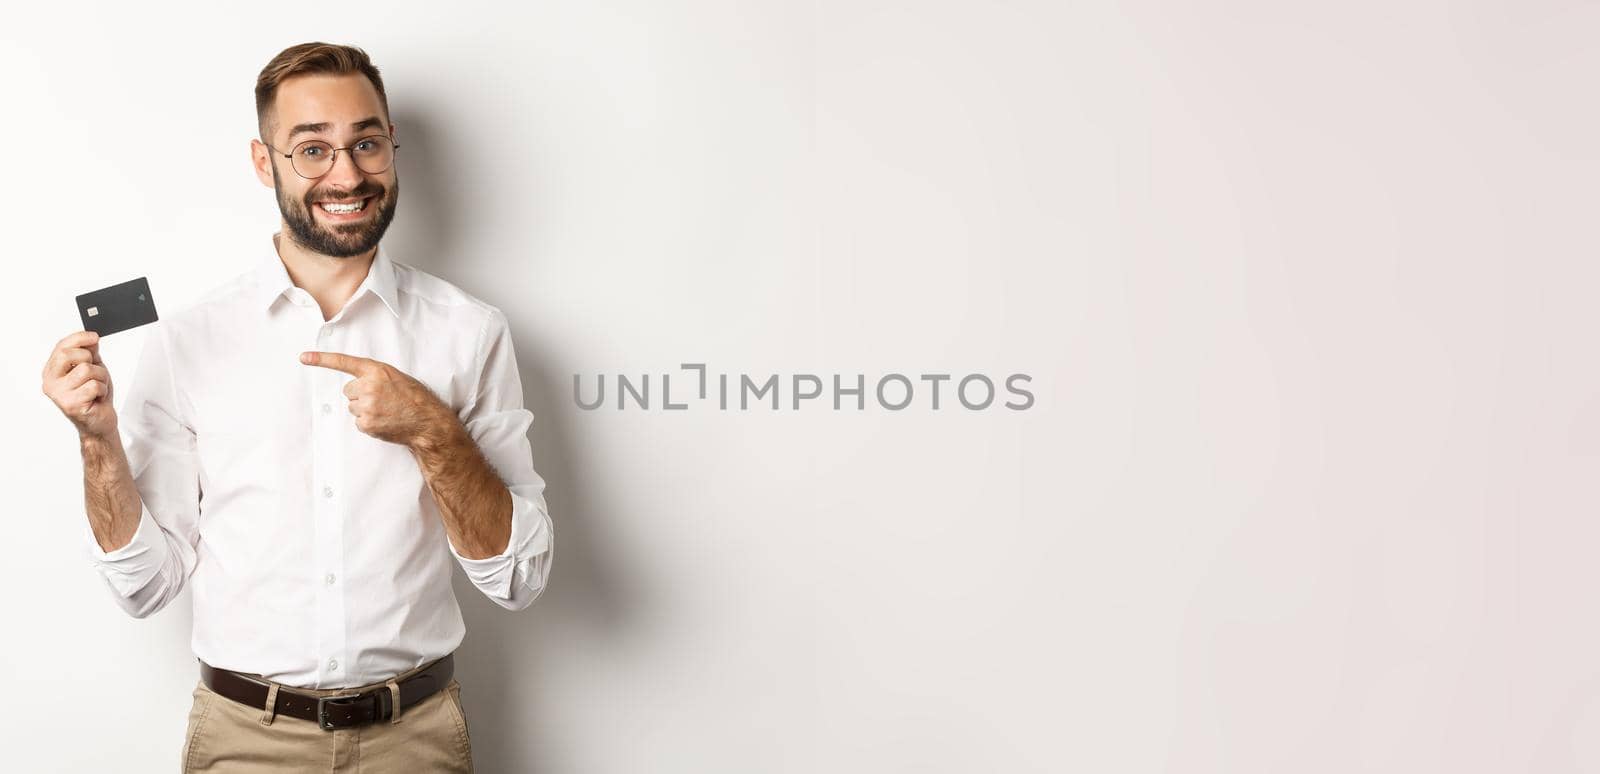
272,280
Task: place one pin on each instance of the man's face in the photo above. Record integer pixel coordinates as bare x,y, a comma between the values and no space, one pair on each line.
338,110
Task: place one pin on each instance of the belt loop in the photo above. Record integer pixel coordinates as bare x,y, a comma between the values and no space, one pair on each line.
394,690
271,710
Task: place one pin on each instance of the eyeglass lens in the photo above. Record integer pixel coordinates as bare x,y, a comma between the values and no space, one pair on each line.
314,158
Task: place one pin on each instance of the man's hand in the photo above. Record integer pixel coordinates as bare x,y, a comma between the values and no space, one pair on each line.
387,403
79,384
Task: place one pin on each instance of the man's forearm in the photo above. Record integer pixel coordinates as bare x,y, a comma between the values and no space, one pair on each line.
109,496
475,503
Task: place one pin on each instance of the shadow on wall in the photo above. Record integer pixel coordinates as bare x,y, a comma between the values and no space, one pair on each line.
502,662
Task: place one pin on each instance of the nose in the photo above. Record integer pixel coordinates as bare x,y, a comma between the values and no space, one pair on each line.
345,175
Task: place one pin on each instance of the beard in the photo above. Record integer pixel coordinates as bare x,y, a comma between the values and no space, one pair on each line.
340,240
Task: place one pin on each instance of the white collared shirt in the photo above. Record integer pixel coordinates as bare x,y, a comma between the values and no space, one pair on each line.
316,554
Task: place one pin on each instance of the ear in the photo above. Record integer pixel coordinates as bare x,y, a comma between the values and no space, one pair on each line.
261,161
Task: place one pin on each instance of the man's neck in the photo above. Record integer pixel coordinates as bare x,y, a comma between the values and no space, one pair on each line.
329,280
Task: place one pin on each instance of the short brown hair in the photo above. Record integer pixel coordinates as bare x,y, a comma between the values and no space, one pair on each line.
312,59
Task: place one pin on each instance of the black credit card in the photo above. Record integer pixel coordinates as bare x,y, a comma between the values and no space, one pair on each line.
117,308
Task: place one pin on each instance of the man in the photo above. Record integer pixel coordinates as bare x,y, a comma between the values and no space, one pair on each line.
307,446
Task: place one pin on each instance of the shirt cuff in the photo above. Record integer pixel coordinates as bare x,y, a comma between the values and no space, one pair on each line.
132,566
495,574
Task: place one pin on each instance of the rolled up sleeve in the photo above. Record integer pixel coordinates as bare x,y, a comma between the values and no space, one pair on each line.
498,423
149,572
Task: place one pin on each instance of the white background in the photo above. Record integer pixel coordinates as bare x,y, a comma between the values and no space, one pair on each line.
1306,292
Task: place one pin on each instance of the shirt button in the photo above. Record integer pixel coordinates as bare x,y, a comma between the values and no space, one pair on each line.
333,664
327,491
327,409
328,579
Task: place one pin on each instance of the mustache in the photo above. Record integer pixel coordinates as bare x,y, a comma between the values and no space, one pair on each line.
362,191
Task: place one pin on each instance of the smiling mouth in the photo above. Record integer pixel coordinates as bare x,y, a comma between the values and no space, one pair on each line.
344,208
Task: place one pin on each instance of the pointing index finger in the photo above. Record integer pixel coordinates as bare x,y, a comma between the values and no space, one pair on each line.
350,364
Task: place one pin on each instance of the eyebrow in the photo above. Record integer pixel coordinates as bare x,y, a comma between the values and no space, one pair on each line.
370,122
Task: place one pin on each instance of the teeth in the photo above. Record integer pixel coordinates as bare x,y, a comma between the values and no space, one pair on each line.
342,208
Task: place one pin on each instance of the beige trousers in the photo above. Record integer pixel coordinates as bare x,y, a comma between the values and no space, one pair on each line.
226,737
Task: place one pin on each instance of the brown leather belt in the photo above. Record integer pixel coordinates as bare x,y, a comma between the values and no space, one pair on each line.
344,710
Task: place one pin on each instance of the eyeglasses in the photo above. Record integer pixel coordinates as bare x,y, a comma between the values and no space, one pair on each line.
314,158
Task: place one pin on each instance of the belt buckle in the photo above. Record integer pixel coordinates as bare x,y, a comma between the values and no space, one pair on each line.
322,708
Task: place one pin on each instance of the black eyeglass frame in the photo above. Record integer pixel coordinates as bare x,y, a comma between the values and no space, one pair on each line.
334,154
